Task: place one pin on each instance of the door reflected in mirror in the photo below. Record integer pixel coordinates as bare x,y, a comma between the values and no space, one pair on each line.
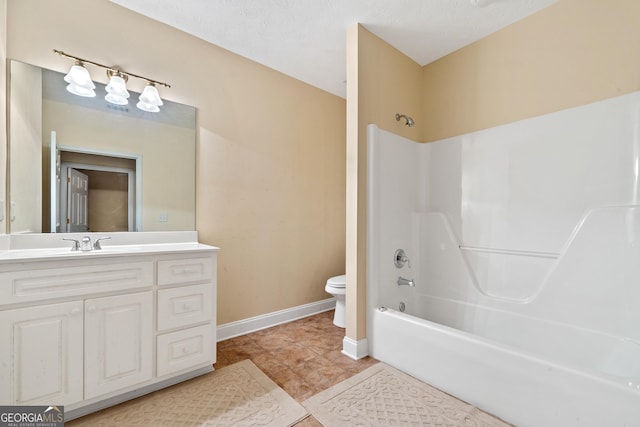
93,193
52,131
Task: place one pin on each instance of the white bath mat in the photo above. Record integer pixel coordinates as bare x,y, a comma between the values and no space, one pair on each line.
383,396
236,395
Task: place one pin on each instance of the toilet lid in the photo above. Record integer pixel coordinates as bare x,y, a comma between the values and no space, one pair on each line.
338,281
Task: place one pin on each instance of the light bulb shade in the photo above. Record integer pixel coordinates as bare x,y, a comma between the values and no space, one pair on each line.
150,95
81,91
117,87
150,108
79,76
116,99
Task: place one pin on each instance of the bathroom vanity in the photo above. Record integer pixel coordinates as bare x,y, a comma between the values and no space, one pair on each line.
89,329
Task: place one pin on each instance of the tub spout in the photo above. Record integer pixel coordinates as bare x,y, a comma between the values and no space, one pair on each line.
405,282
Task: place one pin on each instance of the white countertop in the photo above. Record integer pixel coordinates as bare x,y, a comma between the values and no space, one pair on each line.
32,247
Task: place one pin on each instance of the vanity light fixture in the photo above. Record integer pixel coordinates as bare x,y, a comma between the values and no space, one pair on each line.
80,83
79,80
150,99
117,92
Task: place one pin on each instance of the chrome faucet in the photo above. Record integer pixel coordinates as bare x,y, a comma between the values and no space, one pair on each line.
96,244
405,282
76,244
85,245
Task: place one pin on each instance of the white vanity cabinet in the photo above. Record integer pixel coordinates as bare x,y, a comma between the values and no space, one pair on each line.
185,303
41,358
60,354
118,342
91,330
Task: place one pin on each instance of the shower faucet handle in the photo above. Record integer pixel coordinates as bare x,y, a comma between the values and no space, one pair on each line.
400,258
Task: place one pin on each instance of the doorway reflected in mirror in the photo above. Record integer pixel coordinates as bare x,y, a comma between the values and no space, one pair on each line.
97,193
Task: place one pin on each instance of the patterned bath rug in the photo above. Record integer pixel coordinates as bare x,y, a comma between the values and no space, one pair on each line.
383,396
236,395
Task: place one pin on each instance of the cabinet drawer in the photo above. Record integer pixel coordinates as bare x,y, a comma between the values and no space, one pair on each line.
176,271
184,306
184,349
36,285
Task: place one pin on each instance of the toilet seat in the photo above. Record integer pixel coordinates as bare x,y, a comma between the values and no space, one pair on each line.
338,281
335,290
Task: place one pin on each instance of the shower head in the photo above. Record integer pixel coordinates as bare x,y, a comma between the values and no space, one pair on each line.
409,120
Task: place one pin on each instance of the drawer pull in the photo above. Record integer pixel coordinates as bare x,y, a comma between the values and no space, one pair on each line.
185,350
185,306
187,270
184,270
75,311
91,309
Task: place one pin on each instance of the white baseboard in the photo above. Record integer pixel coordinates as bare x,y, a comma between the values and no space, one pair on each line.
355,349
252,324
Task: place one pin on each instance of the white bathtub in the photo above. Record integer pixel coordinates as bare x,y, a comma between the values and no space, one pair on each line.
566,355
514,385
524,243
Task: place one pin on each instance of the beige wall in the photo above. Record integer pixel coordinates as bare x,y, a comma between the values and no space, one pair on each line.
3,112
381,82
271,149
108,201
571,53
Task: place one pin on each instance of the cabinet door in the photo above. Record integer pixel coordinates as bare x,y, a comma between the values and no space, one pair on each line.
41,355
118,339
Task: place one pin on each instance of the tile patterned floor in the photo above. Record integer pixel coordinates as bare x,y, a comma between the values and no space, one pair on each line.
303,357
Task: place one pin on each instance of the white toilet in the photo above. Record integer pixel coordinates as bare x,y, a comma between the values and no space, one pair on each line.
337,286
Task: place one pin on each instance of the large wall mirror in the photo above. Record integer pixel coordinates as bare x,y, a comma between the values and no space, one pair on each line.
82,164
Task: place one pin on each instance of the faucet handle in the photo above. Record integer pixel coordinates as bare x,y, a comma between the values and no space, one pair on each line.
76,244
400,258
96,244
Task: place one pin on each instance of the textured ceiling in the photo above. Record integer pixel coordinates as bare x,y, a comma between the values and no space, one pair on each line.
306,39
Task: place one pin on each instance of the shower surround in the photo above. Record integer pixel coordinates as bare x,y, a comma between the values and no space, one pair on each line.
524,248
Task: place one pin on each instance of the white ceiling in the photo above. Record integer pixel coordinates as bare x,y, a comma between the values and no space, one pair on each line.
306,39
